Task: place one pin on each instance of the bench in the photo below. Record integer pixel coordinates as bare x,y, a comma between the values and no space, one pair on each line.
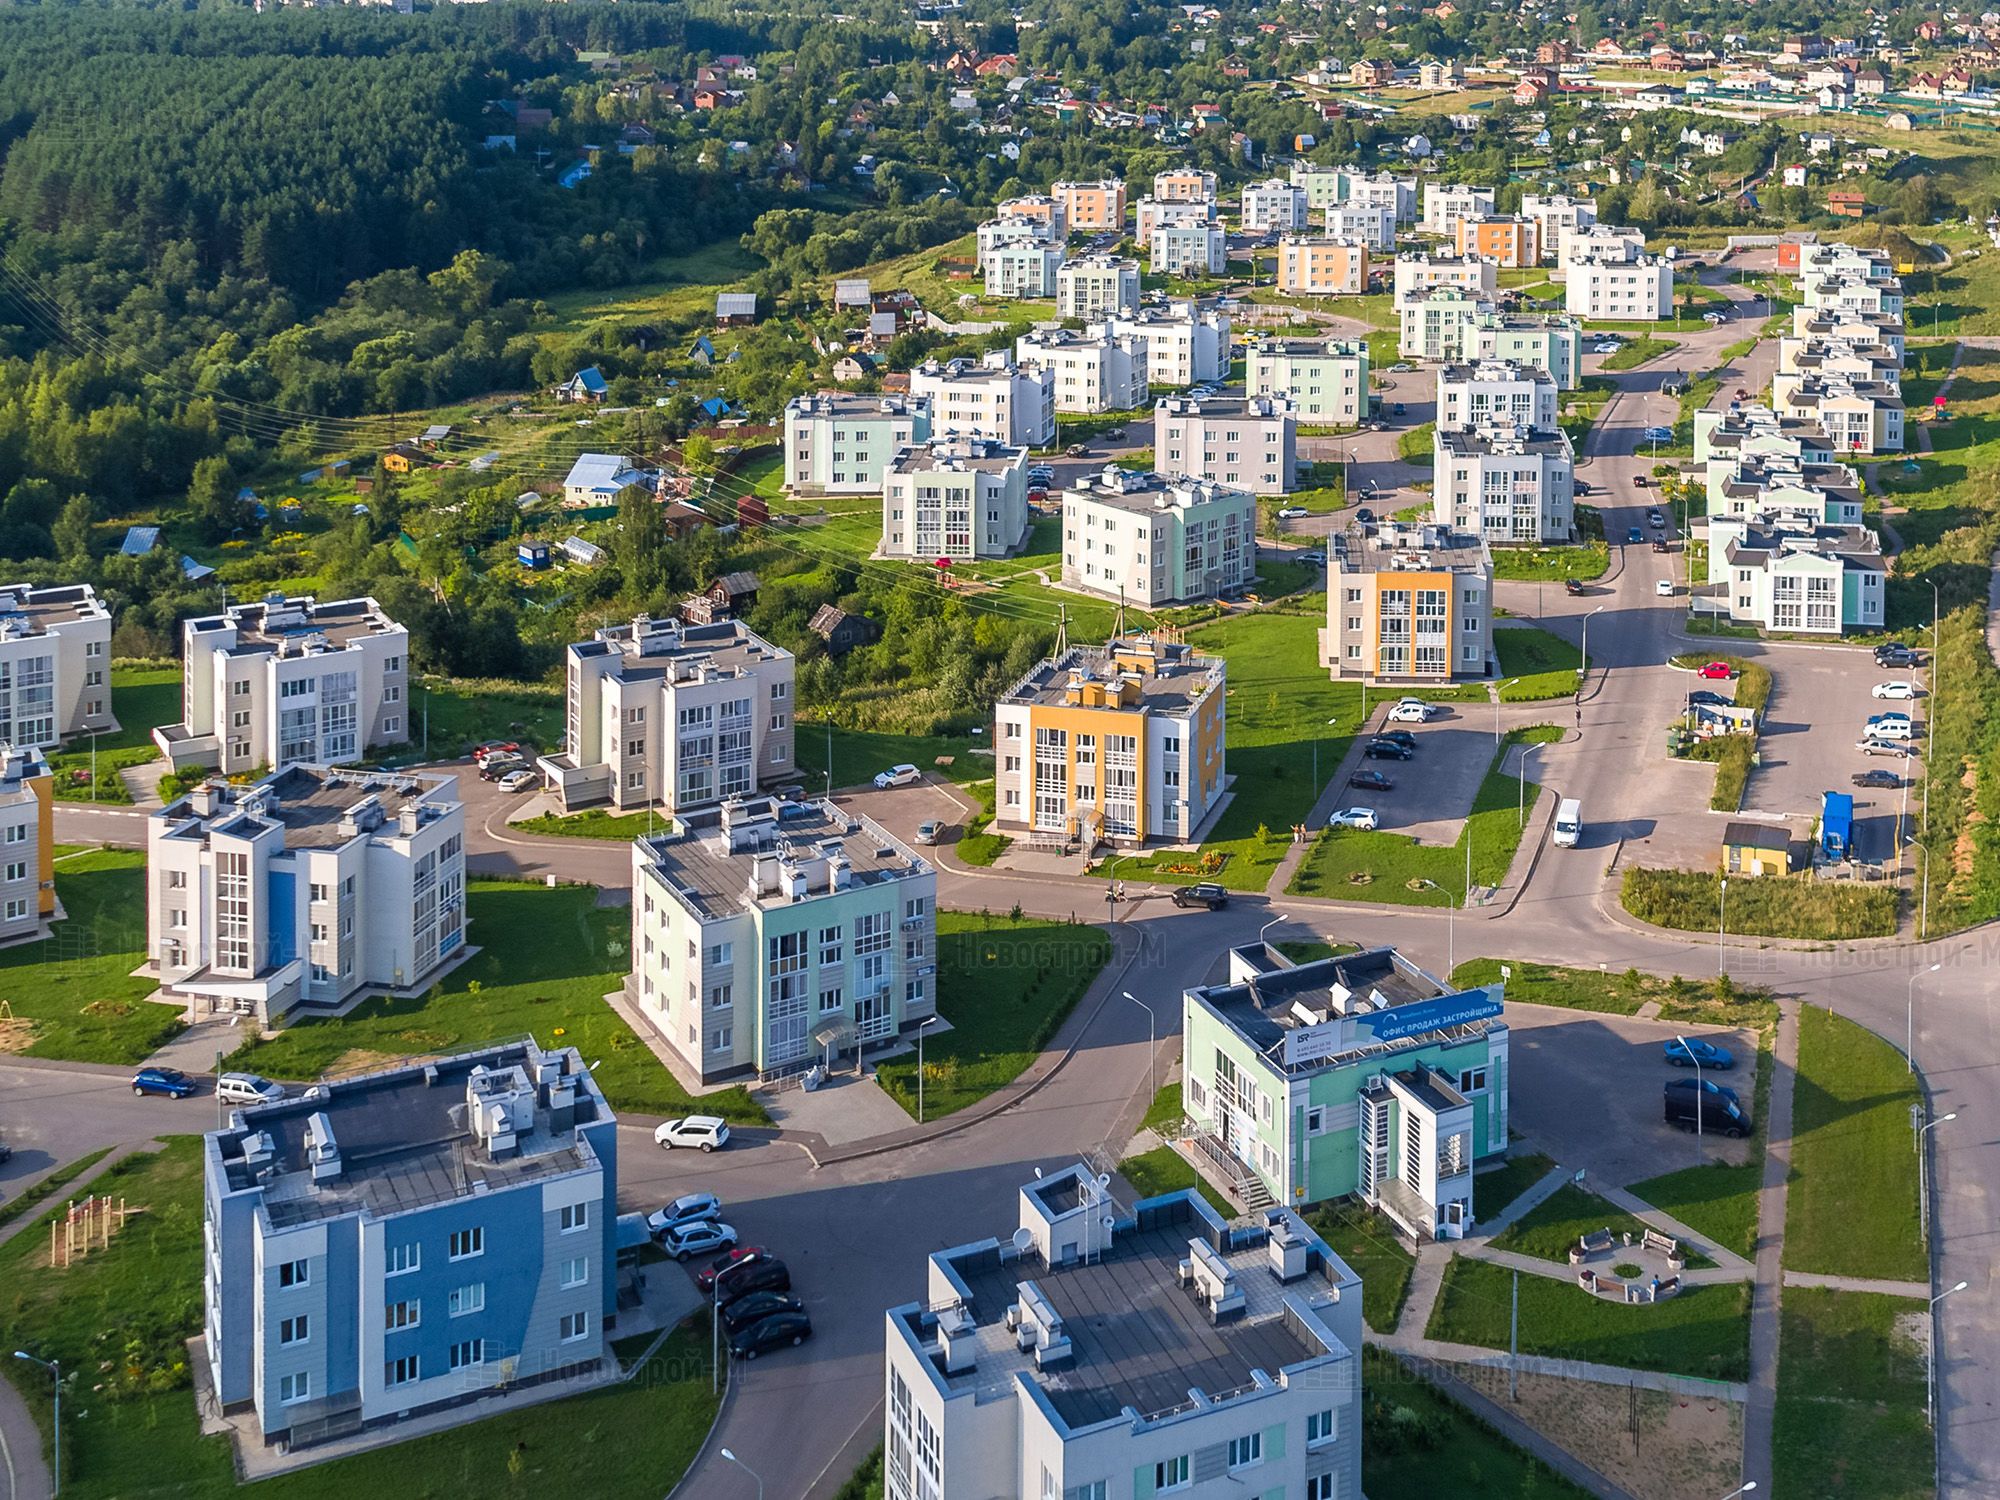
1664,1244
1600,1240
1667,1288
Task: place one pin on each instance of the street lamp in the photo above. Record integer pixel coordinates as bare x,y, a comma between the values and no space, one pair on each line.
747,1470
1930,1358
1699,1092
1283,916
1521,791
1742,1489
1923,1176
922,1027
54,1367
1583,656
1910,1018
1152,1047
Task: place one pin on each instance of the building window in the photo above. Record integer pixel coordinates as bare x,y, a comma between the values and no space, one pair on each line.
722,1039
403,1258
470,1352
293,1389
1472,1081
1319,1429
575,1326
1171,1473
575,1216
466,1243
1245,1451
402,1315
294,1330
576,1271
1320,1487
402,1371
465,1299
1316,1120
295,1273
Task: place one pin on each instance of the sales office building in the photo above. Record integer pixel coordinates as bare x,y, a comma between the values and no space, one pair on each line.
1358,1076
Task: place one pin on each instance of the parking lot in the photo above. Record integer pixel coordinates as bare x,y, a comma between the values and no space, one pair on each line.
1434,789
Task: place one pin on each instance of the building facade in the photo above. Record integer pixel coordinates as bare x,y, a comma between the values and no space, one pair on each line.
1437,322
1373,224
1475,395
1640,290
27,844
1446,203
1795,578
768,935
840,444
1274,206
1244,442
55,665
1324,380
1184,185
1858,416
1409,604
1380,189
962,498
1416,274
1190,250
1553,343
1556,217
1035,206
1156,542
304,888
1092,371
1186,342
996,399
1022,270
1088,207
1097,286
1507,240
1151,214
1508,483
1316,266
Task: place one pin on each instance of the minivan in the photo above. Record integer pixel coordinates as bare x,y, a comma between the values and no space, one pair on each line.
1569,824
1720,1110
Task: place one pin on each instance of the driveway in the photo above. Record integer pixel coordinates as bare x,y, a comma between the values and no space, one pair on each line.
1434,792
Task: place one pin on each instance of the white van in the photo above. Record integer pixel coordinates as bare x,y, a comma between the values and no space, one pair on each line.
1569,824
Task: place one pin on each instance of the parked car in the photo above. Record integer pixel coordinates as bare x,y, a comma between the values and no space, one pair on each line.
792,1328
1371,781
1892,648
1292,512
1883,780
1401,737
764,1274
754,1308
689,1208
901,775
1703,698
722,1265
1898,659
247,1088
1884,747
481,753
929,830
518,781
1572,586
1579,487
1893,690
1353,817
1397,409
1608,346
704,1131
1659,544
1207,894
696,1237
1316,558
1410,711
1115,434
1364,517
500,767
1077,450
1717,1107
1717,671
1386,750
1683,1052
1888,727
1400,368
169,1081
1634,535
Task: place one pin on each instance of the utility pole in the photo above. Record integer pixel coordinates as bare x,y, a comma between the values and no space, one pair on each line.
1514,1344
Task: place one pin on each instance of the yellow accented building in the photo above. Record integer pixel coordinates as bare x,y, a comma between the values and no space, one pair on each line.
1408,604
1120,743
27,844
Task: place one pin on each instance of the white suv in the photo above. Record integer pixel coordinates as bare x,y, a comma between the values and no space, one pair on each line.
897,776
247,1088
704,1131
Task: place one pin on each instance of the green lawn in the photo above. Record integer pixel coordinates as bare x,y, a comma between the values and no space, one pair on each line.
462,713
1851,1209
1710,1001
1717,1199
1768,906
143,695
548,959
1164,1170
75,991
50,1185
1585,560
977,843
1418,1444
1705,1331
1850,1417
1494,1188
1165,1111
1549,1229
596,823
859,755
1005,986
1536,664
1637,352
1368,1243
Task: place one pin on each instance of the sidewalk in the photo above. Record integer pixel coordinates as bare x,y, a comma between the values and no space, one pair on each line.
1920,1290
1764,1296
1643,1211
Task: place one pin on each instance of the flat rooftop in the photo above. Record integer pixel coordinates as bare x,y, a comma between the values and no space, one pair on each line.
1397,548
1226,408
29,611
274,624
1143,493
1169,677
677,650
1309,348
856,404
1521,441
958,455
312,804
966,369
1466,372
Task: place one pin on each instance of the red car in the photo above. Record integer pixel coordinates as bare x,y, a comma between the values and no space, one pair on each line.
705,1277
1718,669
481,754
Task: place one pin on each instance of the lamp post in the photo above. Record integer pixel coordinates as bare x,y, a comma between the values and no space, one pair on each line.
1910,1018
1930,1358
1699,1092
922,1027
54,1367
1152,1047
1498,693
1521,792
1583,657
1722,930
747,1470
1451,918
1923,1176
1743,1489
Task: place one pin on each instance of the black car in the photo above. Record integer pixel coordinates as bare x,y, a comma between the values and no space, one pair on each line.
1885,779
1214,897
1572,586
785,1328
1703,698
764,1275
1401,737
756,1307
1897,659
1387,750
1364,516
498,766
1720,1110
1371,781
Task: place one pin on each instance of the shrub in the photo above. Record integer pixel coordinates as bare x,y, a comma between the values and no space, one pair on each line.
1760,906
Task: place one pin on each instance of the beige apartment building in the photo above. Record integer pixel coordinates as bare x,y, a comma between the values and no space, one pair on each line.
1321,267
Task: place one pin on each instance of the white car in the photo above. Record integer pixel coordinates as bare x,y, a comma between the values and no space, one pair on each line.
1888,729
1894,690
1352,817
518,781
1609,346
247,1088
897,776
1664,587
1410,711
1293,512
703,1131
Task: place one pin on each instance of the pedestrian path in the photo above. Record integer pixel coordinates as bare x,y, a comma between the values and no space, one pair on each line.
1764,1295
1552,1270
1567,1369
1918,1289
1666,1223
75,1188
1545,1188
1426,1281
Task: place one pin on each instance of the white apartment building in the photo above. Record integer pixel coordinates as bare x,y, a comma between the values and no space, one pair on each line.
1605,243
837,443
1193,250
1815,580
55,664
662,713
1604,283
1155,213
1022,270
768,935
1438,323
1885,329
1248,443
1097,286
1274,206
1101,1351
1093,371
289,680
1377,189
994,398
1851,296
1779,489
1325,380
962,498
1017,229
1416,274
1373,224
1184,185
1551,342
1155,541
27,844
1843,358
1472,396
1506,483
303,888
1557,216
1445,203
1857,416
1826,262
1186,342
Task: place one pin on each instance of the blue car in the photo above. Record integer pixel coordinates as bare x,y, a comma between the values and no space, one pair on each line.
1634,534
1694,1050
169,1081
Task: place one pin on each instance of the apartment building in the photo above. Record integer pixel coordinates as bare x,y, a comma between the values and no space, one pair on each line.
1244,442
673,715
1507,240
1557,216
1437,322
304,888
1549,342
1321,185
768,935
403,1243
1823,262
1120,743
27,845
1605,282
1857,416
1373,224
1750,431
962,498
1184,185
1360,1076
1191,250
1014,229
1508,483
1316,266
1036,206
1779,490
1846,359
1152,214
1097,286
1324,380
1446,203
287,680
1814,580
1156,541
1274,206
55,665
1409,604
1471,396
1378,189
1102,1351
1088,207
837,443
1849,296
1022,269
1186,342
1607,243
994,398
1884,329
1092,371
1416,274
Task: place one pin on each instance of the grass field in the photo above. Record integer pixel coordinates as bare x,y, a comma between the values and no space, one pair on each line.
1719,1200
1418,1443
1850,1417
1494,1188
1773,906
50,1185
1636,352
1535,665
860,754
1368,1242
1852,1206
1005,986
596,823
1163,1170
1704,1331
462,713
1623,993
143,696
1549,1229
1584,561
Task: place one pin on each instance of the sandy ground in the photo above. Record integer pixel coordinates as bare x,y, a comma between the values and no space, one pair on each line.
1688,1448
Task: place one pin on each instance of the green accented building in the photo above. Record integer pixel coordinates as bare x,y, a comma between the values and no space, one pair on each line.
1357,1076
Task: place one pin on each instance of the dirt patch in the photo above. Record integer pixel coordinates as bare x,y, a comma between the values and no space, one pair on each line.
363,1060
1912,1333
17,1033
1688,1448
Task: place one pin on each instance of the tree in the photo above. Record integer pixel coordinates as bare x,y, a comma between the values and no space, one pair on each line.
212,498
72,534
641,544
